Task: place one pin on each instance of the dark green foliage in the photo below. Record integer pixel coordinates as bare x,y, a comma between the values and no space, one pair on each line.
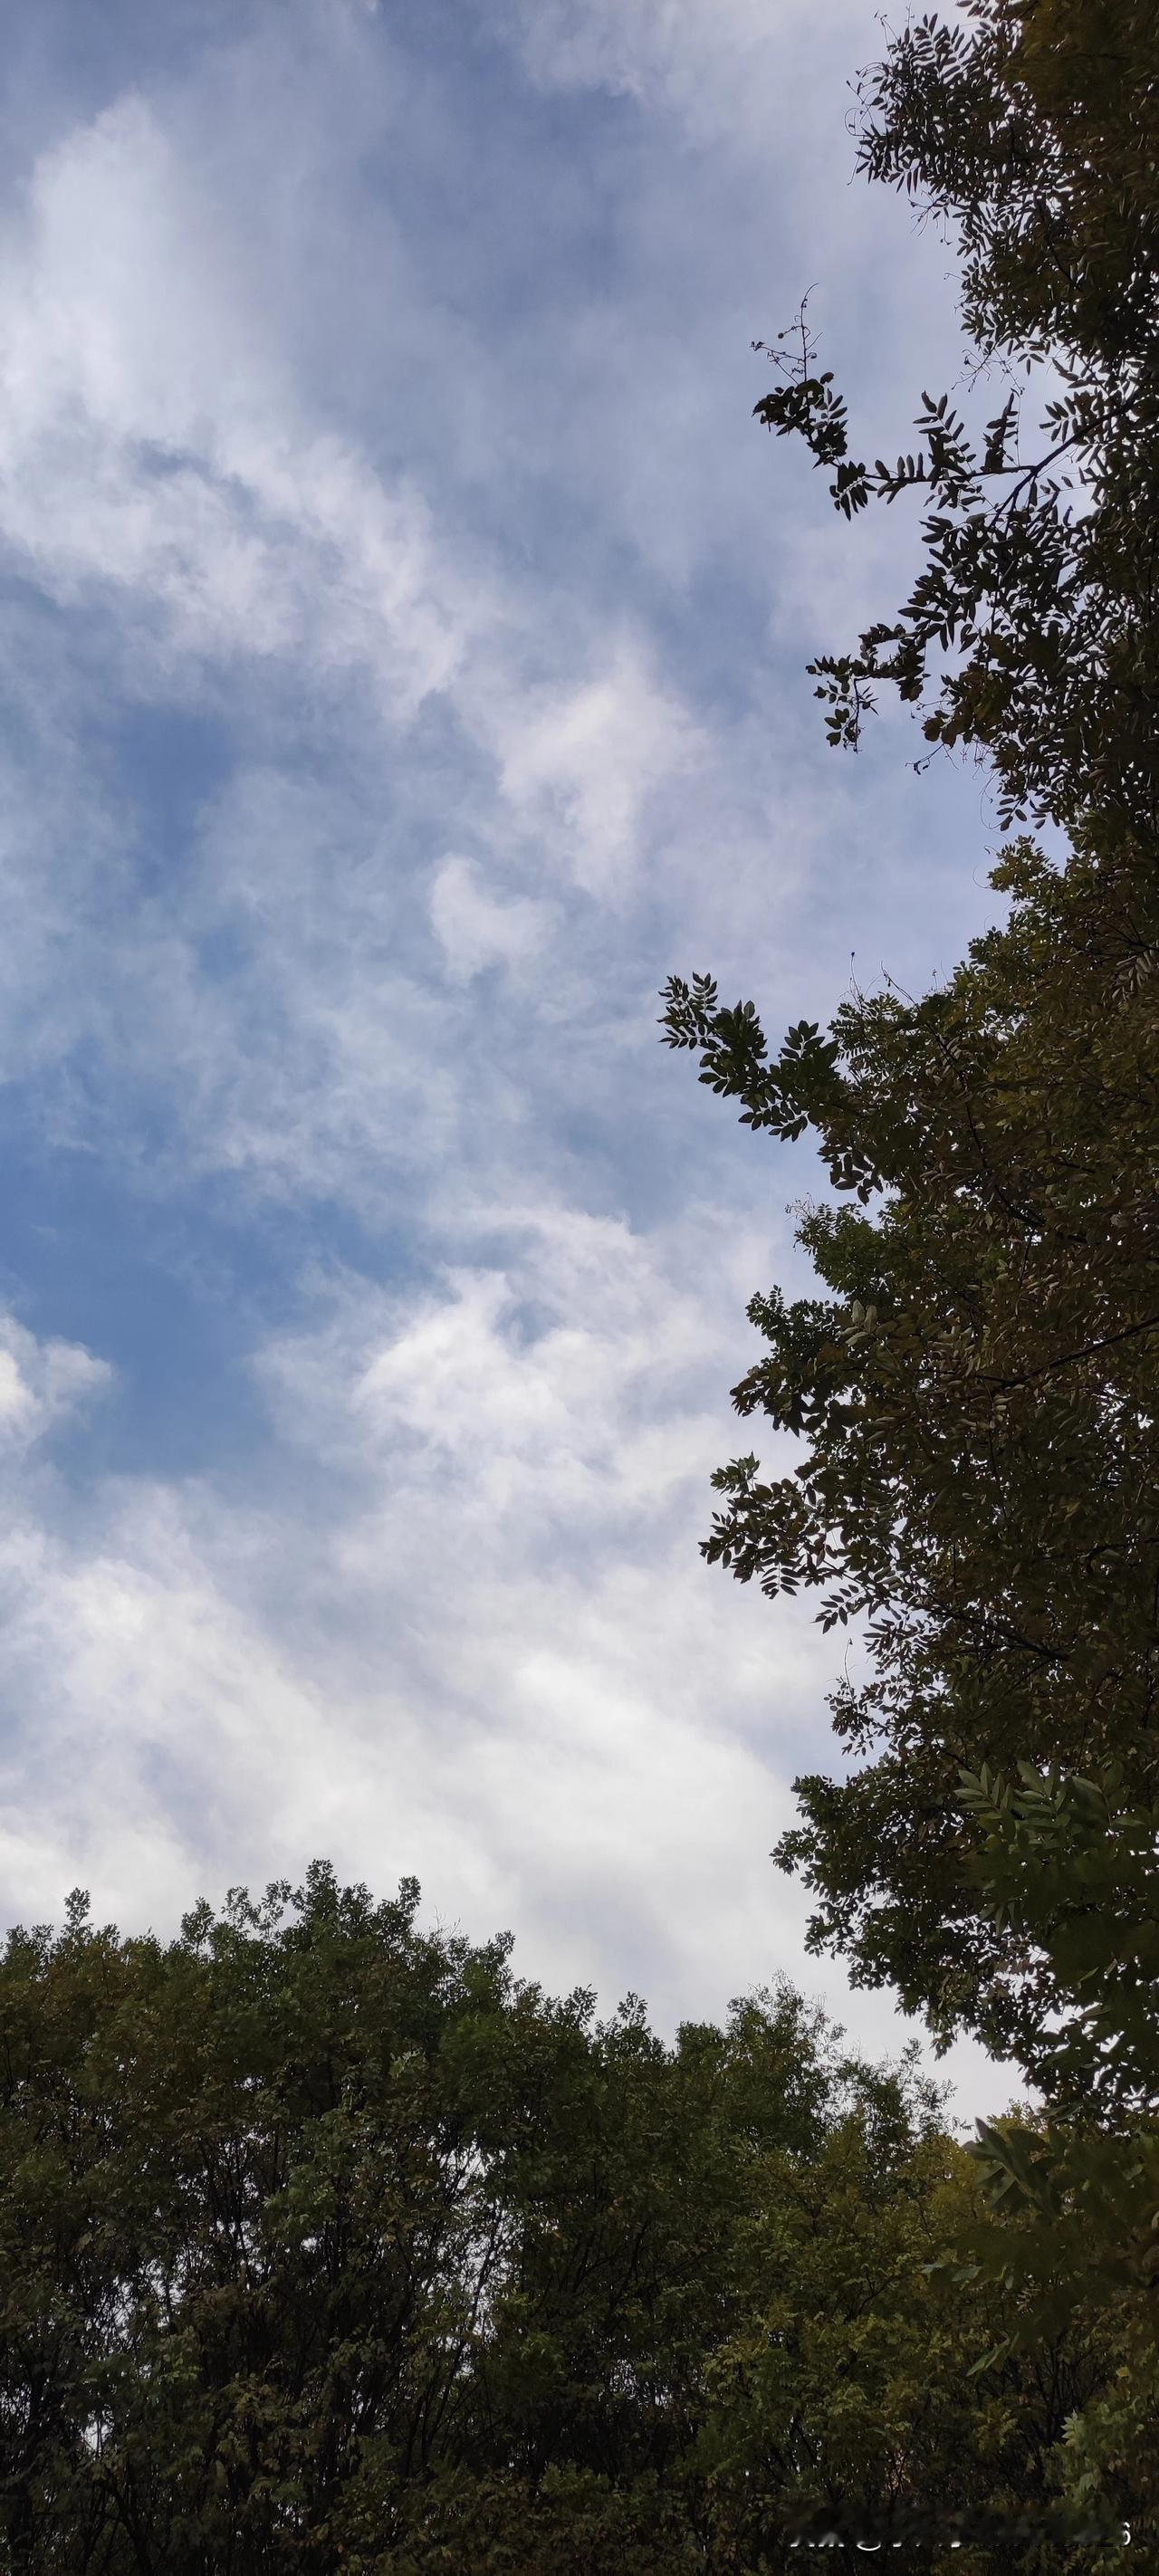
980,1478
327,2243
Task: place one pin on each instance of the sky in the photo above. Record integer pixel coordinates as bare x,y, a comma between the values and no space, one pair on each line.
404,627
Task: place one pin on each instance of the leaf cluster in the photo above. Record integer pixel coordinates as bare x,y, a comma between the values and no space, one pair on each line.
1032,140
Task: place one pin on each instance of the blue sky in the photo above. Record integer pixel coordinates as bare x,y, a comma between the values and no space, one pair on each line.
404,627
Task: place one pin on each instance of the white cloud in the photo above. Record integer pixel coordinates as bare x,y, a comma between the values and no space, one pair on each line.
164,464
42,1382
474,930
169,460
727,69
155,443
547,1385
474,1640
579,764
469,1614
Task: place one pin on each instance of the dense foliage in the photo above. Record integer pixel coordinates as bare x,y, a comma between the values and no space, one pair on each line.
975,1387
980,1481
324,2242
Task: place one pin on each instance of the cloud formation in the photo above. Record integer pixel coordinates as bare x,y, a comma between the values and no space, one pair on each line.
402,642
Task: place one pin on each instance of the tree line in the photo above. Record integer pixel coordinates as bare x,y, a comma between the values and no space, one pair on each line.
328,2243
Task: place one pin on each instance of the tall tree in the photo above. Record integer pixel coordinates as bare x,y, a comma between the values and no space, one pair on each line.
975,1385
975,1391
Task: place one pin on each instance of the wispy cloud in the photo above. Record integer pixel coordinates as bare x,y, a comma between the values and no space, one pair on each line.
41,1382
401,650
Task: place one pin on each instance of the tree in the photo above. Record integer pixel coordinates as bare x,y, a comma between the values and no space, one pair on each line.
980,1478
1037,141
975,1391
324,2242
1074,1863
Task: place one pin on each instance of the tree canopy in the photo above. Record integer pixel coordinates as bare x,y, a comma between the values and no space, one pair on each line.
327,2242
